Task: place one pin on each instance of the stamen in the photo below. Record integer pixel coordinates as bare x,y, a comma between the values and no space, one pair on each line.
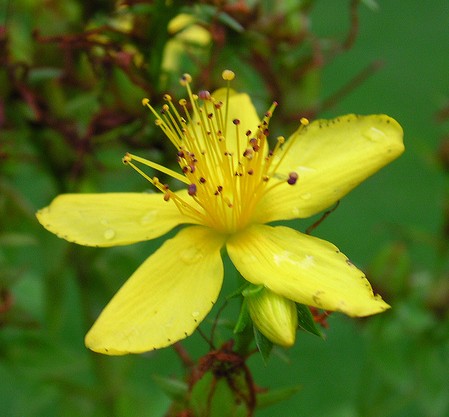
225,178
185,80
292,178
129,157
228,76
204,95
192,189
304,122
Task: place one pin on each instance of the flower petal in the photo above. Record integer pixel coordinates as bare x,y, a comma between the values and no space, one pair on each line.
304,269
110,219
331,157
242,109
165,299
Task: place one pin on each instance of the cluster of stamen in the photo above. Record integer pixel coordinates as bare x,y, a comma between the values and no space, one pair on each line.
224,179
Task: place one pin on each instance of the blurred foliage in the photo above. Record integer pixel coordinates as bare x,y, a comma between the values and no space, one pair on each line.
72,75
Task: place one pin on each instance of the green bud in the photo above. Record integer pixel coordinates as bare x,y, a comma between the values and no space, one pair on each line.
274,316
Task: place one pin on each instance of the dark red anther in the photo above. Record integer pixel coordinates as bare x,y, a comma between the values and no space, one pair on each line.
292,178
204,95
192,189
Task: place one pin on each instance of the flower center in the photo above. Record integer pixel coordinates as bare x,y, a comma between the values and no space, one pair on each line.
226,167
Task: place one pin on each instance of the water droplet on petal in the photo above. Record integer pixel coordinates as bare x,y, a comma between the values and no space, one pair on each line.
374,135
191,255
195,314
285,258
295,211
148,218
306,196
308,261
109,234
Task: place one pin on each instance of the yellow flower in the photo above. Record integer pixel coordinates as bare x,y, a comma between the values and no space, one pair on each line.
234,185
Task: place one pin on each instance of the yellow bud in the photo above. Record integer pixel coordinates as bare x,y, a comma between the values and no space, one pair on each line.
274,316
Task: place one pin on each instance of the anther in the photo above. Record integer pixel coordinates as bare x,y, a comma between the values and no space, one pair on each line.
165,108
182,102
204,95
167,97
127,158
236,121
248,153
304,121
145,101
228,75
292,178
185,79
192,189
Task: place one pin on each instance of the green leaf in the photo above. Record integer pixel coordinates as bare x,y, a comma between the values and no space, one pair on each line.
371,4
263,345
305,320
252,290
275,396
213,397
238,292
230,22
173,387
208,12
243,320
243,334
17,239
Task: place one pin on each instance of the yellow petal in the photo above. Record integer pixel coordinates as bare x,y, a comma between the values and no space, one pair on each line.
165,299
242,109
331,157
275,316
304,269
110,219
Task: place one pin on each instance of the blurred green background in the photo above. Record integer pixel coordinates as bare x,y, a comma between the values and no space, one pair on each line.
71,79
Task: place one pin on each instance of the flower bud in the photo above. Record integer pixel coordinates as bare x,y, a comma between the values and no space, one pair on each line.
274,316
